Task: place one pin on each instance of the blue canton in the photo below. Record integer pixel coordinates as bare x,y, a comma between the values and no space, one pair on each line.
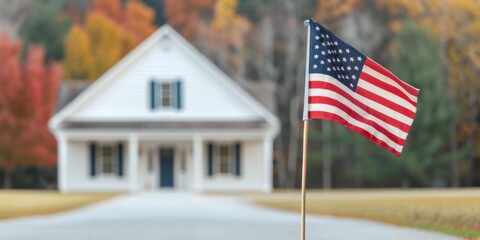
331,56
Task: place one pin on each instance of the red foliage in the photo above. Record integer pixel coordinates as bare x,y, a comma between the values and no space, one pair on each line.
27,95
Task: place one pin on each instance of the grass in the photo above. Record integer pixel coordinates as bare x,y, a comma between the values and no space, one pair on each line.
19,203
455,212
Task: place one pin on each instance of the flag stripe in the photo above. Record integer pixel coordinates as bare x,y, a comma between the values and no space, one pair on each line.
322,94
403,117
368,120
375,80
396,108
335,114
387,95
377,67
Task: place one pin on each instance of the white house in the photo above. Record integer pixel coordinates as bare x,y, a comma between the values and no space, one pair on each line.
164,117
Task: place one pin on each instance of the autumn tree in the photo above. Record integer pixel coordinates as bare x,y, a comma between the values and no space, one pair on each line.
27,97
110,31
186,15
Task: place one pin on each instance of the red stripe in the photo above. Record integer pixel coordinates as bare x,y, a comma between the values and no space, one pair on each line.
329,86
387,87
377,67
360,118
336,118
386,102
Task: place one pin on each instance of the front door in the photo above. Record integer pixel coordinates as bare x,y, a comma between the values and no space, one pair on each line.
166,167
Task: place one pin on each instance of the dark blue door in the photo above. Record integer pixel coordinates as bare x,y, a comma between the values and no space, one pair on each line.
166,167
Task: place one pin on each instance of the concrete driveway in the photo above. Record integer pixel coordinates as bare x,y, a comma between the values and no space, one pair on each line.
183,216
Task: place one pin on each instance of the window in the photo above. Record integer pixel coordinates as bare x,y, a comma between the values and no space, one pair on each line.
224,159
107,157
165,94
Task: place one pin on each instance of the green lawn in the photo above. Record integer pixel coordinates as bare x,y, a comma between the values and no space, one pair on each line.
455,212
20,203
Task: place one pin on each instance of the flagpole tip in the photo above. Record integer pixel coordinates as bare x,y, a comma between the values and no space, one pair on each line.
306,23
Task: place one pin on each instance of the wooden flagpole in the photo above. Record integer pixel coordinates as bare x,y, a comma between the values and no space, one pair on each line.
306,23
304,174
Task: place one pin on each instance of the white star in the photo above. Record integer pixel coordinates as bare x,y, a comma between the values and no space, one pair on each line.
356,68
340,50
316,46
323,44
344,60
353,77
343,69
334,51
351,59
317,28
338,59
328,69
323,52
347,77
317,37
329,51
334,60
334,69
315,66
329,43
327,36
322,35
336,43
351,85
349,68
359,58
315,56
338,75
329,60
347,50
322,62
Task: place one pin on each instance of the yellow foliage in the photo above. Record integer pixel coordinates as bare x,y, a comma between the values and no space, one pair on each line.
78,62
109,32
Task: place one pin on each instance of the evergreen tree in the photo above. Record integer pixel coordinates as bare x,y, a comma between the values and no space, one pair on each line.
46,24
417,61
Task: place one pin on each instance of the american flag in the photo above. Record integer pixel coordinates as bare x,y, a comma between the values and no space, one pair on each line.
347,87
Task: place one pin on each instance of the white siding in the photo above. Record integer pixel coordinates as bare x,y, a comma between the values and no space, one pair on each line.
252,171
78,172
127,96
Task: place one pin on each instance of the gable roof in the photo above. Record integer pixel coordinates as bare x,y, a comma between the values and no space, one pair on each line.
145,46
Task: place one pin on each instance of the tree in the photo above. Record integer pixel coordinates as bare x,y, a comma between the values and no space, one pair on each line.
417,60
110,31
47,25
26,102
186,15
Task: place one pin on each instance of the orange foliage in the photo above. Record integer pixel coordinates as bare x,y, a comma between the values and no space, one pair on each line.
110,31
185,15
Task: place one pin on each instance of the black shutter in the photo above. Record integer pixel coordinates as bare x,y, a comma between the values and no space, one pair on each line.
237,159
120,159
210,159
93,162
153,93
179,94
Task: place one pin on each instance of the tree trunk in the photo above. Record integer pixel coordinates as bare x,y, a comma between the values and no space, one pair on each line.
293,143
7,179
327,154
472,139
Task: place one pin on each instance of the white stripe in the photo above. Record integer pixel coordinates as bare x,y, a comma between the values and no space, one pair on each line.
332,94
334,110
386,94
389,81
372,104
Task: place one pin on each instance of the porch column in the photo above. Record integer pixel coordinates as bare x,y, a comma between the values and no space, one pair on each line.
133,162
198,171
268,163
62,162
